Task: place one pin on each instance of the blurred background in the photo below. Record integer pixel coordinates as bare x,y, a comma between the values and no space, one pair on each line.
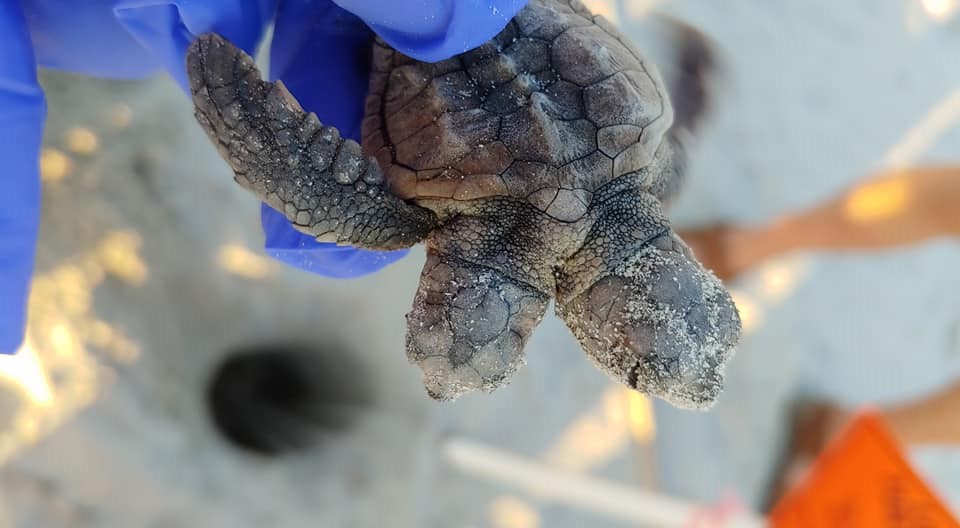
154,313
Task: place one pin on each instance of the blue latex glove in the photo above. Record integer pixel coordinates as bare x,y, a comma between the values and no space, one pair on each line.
319,50
22,111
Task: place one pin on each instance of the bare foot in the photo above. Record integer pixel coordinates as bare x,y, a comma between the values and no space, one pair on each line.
814,425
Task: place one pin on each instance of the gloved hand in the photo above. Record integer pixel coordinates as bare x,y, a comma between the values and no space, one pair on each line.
319,50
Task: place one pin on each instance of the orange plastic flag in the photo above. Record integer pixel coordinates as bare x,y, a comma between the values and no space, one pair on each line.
862,481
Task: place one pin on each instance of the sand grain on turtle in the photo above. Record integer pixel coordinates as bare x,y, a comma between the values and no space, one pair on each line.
534,167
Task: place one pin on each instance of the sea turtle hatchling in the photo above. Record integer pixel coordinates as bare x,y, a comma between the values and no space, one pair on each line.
533,167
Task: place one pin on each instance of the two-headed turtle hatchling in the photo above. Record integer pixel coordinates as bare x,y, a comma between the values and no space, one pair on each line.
533,167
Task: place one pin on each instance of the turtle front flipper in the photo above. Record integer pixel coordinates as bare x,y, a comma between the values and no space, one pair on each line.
644,310
469,325
320,181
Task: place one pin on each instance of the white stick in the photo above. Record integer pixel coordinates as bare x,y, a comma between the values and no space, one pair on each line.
582,491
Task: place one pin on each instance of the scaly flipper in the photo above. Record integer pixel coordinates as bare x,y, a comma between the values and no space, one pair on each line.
320,181
469,325
642,307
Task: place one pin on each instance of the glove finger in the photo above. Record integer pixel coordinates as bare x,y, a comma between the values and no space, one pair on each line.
166,27
329,260
22,111
322,54
84,37
452,26
130,39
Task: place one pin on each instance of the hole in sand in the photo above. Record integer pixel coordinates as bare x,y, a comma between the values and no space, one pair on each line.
279,398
